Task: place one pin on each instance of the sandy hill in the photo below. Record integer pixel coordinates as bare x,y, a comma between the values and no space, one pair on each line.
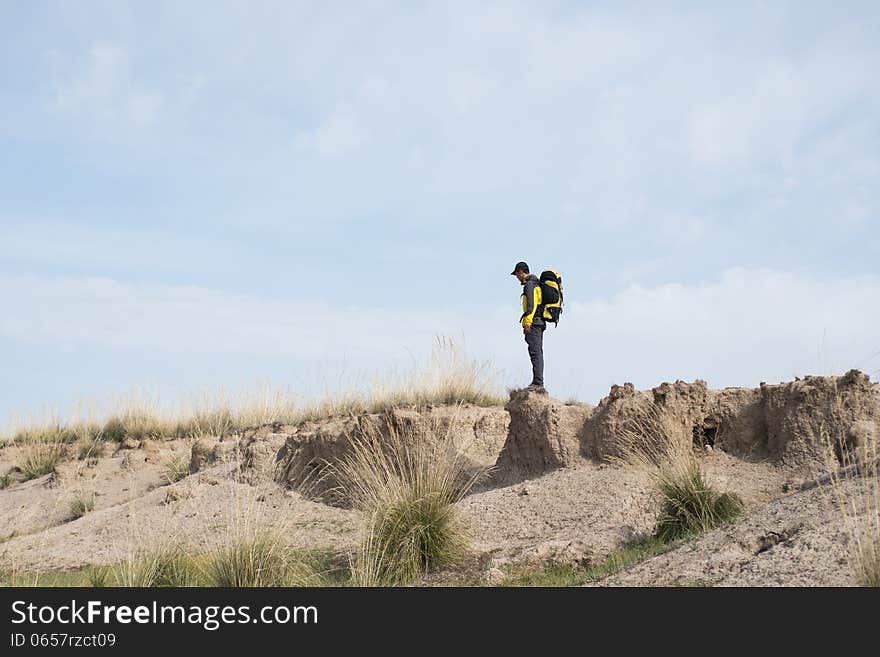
555,493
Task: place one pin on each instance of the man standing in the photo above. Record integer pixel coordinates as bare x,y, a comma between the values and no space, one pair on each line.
533,323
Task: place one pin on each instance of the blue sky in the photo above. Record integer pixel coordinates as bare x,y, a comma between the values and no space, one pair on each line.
212,194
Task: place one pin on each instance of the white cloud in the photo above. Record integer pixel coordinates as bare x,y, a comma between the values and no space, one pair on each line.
340,134
29,242
682,231
770,106
143,108
188,319
748,326
103,89
616,113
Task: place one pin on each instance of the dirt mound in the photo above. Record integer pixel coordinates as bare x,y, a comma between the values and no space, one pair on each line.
195,514
797,414
254,452
554,496
205,453
782,423
106,478
685,404
544,434
579,514
478,431
794,540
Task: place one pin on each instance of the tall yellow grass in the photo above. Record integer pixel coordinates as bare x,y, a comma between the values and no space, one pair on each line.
854,490
406,485
449,377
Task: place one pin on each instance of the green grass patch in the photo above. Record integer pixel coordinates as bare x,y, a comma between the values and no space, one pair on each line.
53,578
258,564
690,506
162,566
259,561
558,574
406,485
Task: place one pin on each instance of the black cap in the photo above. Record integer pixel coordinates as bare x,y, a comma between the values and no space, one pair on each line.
520,266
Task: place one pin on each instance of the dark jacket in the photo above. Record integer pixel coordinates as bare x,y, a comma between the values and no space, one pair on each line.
531,302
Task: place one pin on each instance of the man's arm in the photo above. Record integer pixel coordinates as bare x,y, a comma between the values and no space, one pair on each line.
531,304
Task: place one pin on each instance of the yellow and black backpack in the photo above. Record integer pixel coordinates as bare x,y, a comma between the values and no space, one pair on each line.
551,295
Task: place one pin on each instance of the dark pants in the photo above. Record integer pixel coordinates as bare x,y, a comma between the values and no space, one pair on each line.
535,341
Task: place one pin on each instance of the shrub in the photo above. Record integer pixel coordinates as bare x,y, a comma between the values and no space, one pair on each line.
98,575
216,422
176,468
161,566
48,432
41,458
651,442
689,505
261,561
81,504
134,422
90,450
406,486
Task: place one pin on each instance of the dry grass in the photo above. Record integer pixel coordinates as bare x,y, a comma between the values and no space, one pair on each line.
450,377
164,565
40,458
83,502
254,549
265,405
653,443
50,431
176,467
854,489
406,486
88,450
260,560
169,567
252,553
137,422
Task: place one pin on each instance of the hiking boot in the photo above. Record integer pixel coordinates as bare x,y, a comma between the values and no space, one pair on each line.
534,387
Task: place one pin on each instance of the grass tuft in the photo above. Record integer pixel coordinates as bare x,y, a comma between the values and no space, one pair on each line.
688,505
261,561
135,422
81,504
161,566
98,576
176,467
40,458
406,486
52,431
